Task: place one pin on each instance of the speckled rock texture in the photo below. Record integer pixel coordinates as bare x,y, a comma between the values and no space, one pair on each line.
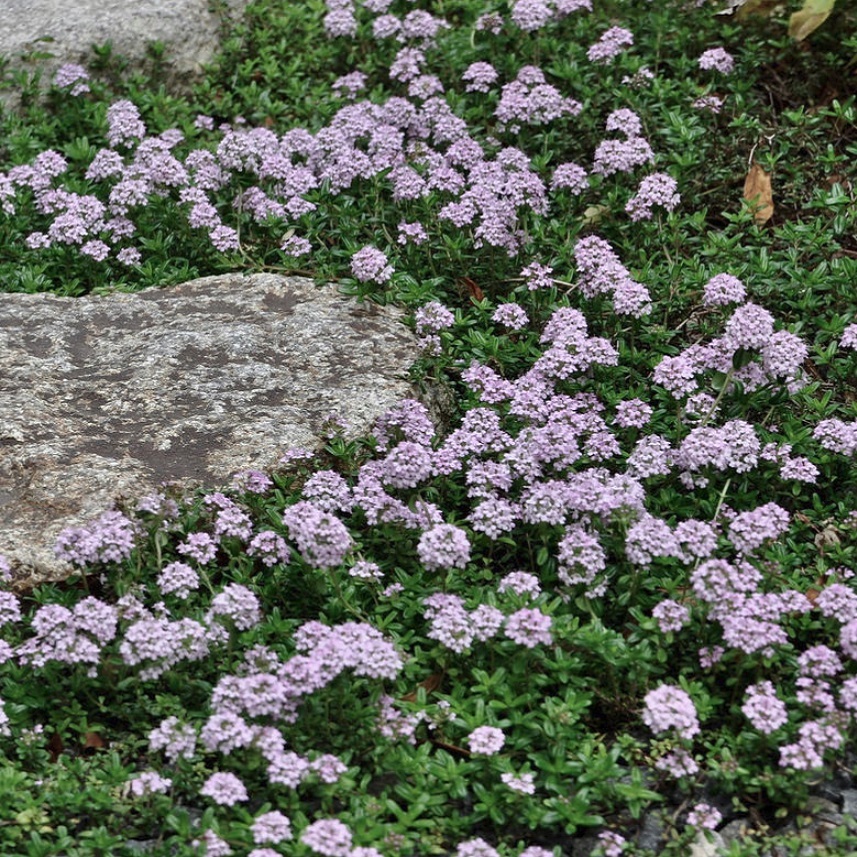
67,29
104,398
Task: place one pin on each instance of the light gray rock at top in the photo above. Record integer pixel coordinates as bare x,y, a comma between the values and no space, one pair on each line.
68,29
103,398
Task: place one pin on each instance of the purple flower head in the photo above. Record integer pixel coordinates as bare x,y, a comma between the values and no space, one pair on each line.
531,101
212,845
271,827
621,156
270,547
838,601
229,520
486,740
74,76
432,318
677,375
783,356
479,77
322,538
521,583
224,238
704,817
158,643
626,122
237,604
570,176
371,265
252,481
837,436
763,708
566,7
698,539
849,337
490,22
109,538
601,272
124,124
475,848
670,708
408,420
537,276
651,457
421,25
722,290
719,582
815,738
450,624
329,491
339,22
750,530
632,413
671,615
522,783
329,837
658,189
295,246
612,43
224,789
406,465
178,578
407,65
750,327
350,84
611,844
709,103
199,546
511,315
717,59
581,557
149,783
531,15
529,627
412,233
177,740
650,538
443,546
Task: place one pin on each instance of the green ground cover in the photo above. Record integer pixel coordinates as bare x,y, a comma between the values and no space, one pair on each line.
618,580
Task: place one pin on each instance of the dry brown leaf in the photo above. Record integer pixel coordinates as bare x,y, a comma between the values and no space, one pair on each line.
93,741
755,7
472,288
758,193
431,684
810,18
55,746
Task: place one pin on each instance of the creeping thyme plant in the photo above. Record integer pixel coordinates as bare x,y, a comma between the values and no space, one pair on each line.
615,579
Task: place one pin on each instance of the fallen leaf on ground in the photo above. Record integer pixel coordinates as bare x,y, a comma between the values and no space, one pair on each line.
758,193
810,18
744,10
432,683
55,746
472,288
93,741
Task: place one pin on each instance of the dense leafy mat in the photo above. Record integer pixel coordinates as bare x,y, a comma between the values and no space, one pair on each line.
617,578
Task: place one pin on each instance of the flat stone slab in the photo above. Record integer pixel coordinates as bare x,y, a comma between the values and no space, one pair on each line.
104,398
68,29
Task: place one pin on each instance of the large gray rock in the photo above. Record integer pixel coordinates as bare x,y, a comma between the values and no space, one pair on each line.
68,29
103,398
